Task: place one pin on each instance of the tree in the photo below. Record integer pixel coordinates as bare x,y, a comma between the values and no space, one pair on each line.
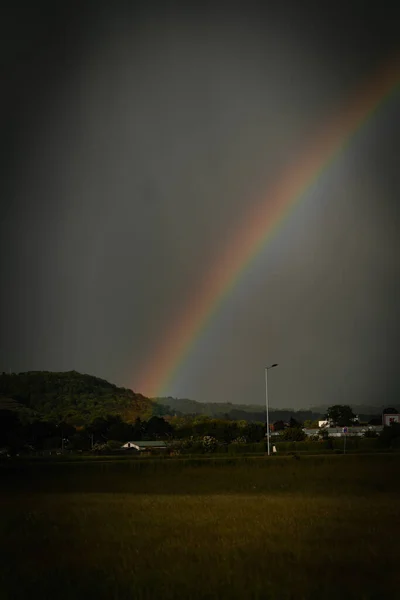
229,431
66,430
80,441
389,434
98,429
294,423
138,429
279,426
101,428
162,410
341,415
9,423
39,432
292,434
390,411
309,424
158,428
121,432
323,434
254,432
11,431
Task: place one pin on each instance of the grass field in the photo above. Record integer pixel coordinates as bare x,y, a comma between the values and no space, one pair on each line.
318,527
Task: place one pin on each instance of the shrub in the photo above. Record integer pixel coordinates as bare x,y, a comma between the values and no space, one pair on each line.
209,443
293,434
370,433
368,443
113,445
396,442
241,440
389,434
100,448
255,448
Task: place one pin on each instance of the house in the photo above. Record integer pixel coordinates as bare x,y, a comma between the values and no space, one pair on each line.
388,419
145,446
338,431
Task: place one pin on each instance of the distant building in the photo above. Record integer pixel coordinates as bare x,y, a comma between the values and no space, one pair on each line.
145,446
351,431
390,418
323,424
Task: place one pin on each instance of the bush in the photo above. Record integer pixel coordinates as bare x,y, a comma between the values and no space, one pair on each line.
241,440
396,443
255,448
370,433
113,445
100,448
209,443
388,435
368,443
292,434
305,446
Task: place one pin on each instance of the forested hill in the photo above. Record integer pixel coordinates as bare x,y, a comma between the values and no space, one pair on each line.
70,396
236,412
255,412
79,399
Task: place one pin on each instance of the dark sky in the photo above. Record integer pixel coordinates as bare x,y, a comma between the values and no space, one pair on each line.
136,137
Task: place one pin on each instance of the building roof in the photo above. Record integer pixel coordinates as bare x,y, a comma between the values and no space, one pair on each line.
146,444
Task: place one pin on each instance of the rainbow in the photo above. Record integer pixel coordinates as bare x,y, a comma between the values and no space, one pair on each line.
262,224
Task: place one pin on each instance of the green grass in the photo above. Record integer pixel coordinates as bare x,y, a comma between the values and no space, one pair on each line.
318,527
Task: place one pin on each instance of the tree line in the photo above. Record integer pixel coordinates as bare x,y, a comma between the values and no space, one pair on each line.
42,435
110,432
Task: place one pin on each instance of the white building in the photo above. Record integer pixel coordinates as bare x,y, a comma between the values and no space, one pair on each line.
145,446
351,431
389,419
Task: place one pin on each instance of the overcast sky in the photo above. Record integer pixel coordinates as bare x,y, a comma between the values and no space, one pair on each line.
137,140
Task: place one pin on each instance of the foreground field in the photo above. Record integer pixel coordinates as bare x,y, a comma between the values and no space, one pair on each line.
279,528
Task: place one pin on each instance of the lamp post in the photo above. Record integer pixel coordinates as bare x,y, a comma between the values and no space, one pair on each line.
266,403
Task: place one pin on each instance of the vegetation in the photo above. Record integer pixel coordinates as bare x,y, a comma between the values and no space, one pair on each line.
228,411
249,412
71,397
390,436
226,529
390,411
79,399
293,434
44,412
341,415
204,522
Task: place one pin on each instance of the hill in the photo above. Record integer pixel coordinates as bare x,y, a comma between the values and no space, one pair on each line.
79,399
255,412
70,396
235,412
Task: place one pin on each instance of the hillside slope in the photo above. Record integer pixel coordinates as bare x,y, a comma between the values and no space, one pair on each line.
236,412
70,396
256,412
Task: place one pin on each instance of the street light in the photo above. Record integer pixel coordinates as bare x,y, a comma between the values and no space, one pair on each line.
266,402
